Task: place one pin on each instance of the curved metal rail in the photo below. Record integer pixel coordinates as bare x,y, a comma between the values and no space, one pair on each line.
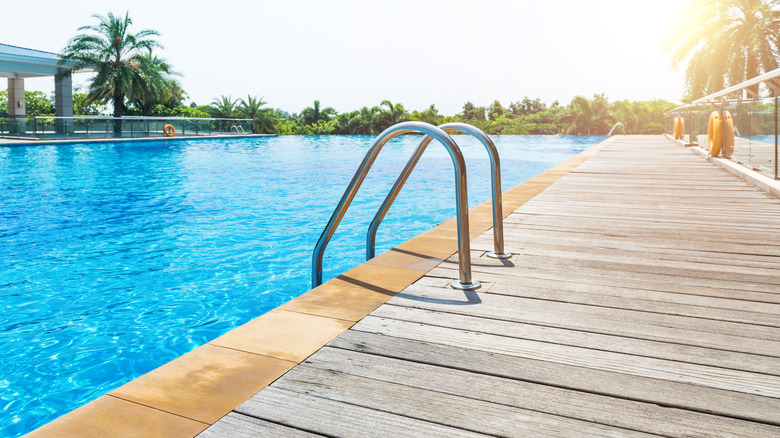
615,126
461,198
495,179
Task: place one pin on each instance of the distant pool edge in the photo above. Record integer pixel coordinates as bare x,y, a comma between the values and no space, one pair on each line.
9,141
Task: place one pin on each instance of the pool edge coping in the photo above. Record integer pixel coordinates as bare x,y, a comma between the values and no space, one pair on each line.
233,367
18,141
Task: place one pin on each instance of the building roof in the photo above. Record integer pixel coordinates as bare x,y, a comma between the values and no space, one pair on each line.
21,62
6,49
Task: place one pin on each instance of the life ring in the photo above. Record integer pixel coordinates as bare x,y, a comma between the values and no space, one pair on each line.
728,135
715,134
682,128
676,129
169,131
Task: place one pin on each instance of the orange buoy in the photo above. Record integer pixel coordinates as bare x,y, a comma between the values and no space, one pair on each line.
728,135
676,130
169,131
682,128
714,134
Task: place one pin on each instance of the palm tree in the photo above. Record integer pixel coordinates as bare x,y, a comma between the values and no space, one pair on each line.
224,107
153,84
312,115
263,119
725,42
393,114
430,115
115,55
629,114
588,117
368,118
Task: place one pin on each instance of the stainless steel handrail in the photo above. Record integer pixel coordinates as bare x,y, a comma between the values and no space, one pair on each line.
495,179
615,126
461,198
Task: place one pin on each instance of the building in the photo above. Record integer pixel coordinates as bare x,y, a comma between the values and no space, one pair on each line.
18,63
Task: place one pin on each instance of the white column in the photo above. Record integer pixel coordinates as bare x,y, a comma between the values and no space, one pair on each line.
16,105
63,103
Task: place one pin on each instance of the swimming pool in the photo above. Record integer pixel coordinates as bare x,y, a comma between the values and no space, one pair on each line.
118,257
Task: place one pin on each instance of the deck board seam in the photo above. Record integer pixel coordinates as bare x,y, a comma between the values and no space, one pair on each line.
466,396
777,374
579,389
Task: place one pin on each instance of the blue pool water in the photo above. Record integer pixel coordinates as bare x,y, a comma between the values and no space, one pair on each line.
116,258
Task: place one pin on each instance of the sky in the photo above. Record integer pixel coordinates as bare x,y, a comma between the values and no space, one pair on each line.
350,54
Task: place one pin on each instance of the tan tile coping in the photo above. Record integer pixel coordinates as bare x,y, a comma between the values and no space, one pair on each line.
188,394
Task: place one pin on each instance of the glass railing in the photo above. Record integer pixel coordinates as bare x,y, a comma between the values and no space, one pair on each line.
755,124
50,127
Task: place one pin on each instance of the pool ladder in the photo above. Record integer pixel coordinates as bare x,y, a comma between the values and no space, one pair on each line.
464,281
615,126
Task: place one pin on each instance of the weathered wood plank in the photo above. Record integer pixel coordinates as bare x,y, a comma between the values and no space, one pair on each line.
640,347
713,297
640,277
683,236
661,392
636,298
661,369
235,425
620,260
463,412
620,412
526,239
327,417
628,323
682,216
668,231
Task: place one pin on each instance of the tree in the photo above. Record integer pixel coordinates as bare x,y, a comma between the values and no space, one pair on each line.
263,119
153,85
115,54
429,115
725,42
82,106
368,118
394,113
224,107
495,111
471,112
197,112
589,117
312,115
37,104
526,107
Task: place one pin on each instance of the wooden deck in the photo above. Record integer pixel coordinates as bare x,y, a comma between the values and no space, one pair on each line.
643,299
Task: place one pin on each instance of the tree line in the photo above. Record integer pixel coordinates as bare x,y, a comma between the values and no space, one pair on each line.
583,116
